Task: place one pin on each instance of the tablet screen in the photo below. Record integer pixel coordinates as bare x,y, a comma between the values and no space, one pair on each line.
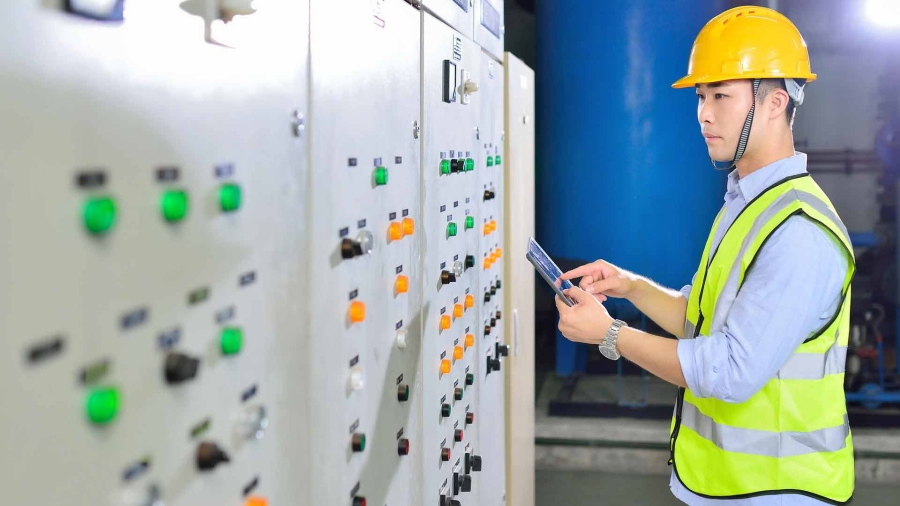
549,271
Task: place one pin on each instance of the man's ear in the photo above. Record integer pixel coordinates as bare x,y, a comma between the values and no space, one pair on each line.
777,102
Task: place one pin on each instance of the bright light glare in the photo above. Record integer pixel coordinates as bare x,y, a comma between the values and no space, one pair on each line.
884,13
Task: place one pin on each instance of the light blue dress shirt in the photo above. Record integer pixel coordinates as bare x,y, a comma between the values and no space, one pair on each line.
793,289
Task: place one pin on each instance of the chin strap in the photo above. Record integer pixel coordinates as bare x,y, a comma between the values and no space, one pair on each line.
745,135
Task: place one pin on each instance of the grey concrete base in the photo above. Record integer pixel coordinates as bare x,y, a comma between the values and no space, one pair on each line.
639,447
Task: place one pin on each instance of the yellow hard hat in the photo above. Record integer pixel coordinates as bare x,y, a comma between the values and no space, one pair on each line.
747,43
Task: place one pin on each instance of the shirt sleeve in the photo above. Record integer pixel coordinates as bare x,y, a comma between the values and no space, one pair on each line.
686,289
792,291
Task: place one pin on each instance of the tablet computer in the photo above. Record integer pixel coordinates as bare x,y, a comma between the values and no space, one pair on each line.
548,270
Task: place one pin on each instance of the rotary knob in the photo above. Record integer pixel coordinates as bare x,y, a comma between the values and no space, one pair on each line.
473,463
447,277
209,456
180,368
461,483
501,350
493,364
362,245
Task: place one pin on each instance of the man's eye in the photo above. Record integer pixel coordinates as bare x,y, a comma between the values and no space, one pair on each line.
699,97
719,95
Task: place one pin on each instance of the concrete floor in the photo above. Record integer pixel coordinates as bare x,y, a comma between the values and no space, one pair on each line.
590,488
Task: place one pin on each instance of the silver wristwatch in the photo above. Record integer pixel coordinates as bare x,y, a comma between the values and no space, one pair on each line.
608,348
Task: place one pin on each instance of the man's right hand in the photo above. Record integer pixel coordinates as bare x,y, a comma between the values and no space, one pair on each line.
604,279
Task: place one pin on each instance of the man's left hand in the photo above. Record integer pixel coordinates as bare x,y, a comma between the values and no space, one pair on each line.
585,322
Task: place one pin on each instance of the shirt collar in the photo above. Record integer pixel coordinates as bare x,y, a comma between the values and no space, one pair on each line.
756,182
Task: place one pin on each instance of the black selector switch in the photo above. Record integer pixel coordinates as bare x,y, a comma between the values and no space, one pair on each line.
488,194
487,296
350,248
493,364
209,456
444,501
473,463
457,165
501,350
470,379
447,277
470,261
493,290
461,483
493,322
487,330
499,314
498,283
180,368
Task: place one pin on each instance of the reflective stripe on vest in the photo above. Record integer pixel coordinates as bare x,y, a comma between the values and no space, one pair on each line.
793,435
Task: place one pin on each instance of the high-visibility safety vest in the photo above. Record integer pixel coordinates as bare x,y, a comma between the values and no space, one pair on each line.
793,436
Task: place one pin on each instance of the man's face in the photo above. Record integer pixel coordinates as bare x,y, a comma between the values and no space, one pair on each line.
722,108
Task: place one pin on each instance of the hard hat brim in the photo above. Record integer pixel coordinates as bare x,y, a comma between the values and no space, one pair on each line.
690,81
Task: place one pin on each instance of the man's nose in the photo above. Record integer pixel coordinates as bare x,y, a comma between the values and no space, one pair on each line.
704,113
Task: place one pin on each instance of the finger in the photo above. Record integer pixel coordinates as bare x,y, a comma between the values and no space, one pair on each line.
578,295
586,282
561,306
604,285
600,297
578,272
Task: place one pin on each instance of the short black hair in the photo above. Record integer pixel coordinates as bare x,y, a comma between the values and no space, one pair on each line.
767,86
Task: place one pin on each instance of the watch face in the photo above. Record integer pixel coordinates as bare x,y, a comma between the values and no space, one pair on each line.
609,353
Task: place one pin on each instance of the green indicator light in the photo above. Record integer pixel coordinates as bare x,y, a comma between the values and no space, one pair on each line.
445,167
362,443
490,161
231,340
470,222
470,164
174,205
99,215
230,197
451,229
445,410
497,160
102,405
381,176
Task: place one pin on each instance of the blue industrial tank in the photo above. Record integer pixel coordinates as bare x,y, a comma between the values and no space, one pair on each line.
622,170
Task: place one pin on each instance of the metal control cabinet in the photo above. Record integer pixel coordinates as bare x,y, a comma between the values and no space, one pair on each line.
254,253
366,231
149,325
492,285
451,311
520,276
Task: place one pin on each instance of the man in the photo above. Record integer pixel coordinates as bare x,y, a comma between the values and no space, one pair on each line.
760,417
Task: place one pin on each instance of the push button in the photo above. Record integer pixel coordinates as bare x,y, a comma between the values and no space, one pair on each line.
381,176
357,311
445,410
409,226
497,160
230,340
209,456
470,164
458,394
358,442
395,231
229,197
458,311
458,352
470,340
99,215
470,222
451,229
174,204
403,447
401,285
445,366
445,322
180,368
470,261
470,379
403,393
470,418
445,454
102,405
458,435
490,161
470,301
445,167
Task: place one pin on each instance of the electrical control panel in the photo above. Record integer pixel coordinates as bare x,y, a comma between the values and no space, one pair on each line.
365,268
494,350
153,238
253,253
452,261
